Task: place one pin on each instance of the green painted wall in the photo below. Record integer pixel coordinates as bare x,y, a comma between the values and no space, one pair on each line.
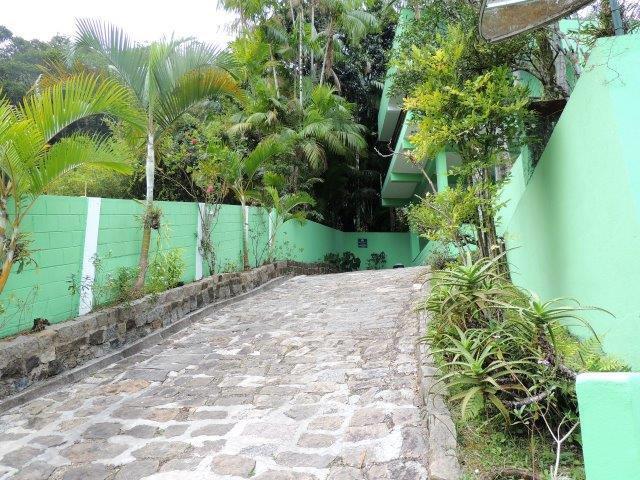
397,247
574,230
609,406
57,226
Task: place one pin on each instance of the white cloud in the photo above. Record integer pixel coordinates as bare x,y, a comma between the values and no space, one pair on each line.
144,20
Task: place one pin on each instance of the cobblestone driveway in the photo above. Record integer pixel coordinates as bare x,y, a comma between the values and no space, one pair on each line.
313,380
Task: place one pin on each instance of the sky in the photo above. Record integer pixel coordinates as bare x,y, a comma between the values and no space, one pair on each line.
144,20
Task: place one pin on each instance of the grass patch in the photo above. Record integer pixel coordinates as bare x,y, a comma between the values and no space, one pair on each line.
485,450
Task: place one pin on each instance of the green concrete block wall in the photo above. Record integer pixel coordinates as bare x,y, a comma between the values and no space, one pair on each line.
119,235
574,230
56,225
227,237
180,224
309,242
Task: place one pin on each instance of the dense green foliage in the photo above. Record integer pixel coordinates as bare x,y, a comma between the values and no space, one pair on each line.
508,358
34,154
347,262
20,62
377,261
311,73
475,113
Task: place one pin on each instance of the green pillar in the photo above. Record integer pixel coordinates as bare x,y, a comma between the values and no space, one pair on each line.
609,405
442,180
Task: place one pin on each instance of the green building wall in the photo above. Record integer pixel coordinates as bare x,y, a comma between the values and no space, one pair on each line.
573,228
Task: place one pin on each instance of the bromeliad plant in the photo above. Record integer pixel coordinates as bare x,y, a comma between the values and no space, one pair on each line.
479,373
34,152
503,351
470,294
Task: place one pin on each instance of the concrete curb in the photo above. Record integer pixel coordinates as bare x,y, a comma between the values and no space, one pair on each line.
442,458
86,369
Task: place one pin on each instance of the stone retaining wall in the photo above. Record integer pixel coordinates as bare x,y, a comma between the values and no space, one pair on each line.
29,358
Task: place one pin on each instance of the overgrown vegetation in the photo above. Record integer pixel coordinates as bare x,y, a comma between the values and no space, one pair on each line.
347,262
509,363
108,288
30,160
377,261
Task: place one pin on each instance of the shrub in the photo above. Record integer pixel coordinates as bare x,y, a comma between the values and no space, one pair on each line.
333,259
119,286
440,258
470,294
377,261
165,271
348,262
231,267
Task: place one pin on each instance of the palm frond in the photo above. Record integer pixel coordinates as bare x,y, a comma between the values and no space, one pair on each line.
192,89
78,97
68,154
116,51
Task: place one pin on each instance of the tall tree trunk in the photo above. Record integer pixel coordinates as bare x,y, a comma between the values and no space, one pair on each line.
312,60
245,234
7,265
300,27
560,60
150,164
293,28
489,244
327,47
4,275
275,76
358,202
273,228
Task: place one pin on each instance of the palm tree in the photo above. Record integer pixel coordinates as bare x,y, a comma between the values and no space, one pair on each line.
282,207
323,124
240,172
347,17
165,79
34,153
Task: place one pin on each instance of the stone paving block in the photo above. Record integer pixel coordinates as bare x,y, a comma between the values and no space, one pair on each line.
94,471
214,429
34,471
283,475
316,440
91,450
161,450
137,470
295,459
236,465
19,457
345,473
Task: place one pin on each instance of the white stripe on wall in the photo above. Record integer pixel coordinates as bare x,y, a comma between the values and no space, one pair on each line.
89,254
269,238
201,208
